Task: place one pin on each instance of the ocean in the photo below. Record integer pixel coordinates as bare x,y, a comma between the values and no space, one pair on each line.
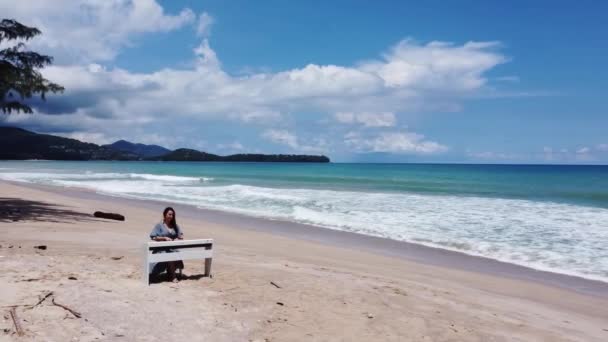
547,217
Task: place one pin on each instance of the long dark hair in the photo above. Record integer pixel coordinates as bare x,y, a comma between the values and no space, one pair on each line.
173,223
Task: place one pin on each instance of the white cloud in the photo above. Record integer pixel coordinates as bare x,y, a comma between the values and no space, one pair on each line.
393,142
602,147
236,146
207,59
281,136
436,65
232,148
489,155
548,154
96,138
207,91
386,119
410,77
512,79
91,30
564,155
204,25
583,150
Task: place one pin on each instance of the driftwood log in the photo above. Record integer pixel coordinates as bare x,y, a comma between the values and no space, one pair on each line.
43,299
16,322
111,216
75,313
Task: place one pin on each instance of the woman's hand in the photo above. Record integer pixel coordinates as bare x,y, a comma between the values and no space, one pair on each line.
162,238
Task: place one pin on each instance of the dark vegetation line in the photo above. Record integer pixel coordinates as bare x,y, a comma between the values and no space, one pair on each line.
20,144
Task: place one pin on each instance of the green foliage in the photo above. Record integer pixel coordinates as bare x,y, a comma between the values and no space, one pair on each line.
184,154
19,77
19,144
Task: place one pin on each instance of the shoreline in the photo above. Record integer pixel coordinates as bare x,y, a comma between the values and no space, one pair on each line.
272,281
411,252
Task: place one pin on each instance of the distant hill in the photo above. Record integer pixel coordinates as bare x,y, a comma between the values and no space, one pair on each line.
145,151
274,158
20,144
185,154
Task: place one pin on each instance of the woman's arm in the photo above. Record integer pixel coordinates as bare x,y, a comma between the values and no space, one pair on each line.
162,238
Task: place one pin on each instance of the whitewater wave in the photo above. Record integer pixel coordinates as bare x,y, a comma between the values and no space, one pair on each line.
51,177
563,238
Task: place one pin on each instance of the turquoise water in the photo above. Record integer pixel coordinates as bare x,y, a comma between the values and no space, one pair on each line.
547,217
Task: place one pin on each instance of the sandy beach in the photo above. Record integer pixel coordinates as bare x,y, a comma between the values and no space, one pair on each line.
333,286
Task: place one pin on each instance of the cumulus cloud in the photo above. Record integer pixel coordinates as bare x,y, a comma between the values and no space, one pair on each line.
281,136
410,76
563,155
205,21
206,90
602,147
235,145
392,142
492,156
583,150
436,65
548,154
286,138
386,119
92,30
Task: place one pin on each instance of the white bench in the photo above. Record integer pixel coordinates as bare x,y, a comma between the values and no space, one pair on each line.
183,250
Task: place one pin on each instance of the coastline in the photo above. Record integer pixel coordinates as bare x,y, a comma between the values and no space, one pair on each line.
335,285
412,252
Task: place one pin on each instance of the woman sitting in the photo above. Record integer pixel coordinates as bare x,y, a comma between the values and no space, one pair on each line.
167,230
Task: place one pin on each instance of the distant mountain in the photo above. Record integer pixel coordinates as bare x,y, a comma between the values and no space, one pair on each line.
274,158
19,144
185,154
145,151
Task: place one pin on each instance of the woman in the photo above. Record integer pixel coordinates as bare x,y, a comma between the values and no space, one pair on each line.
167,230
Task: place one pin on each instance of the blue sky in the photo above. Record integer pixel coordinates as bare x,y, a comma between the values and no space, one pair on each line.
392,81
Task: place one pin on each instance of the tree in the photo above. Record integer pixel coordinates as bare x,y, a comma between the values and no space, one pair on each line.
19,77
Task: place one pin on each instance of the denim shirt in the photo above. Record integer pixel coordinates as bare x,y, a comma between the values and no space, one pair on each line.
161,230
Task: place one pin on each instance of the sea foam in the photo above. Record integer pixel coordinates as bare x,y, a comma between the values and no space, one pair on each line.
564,238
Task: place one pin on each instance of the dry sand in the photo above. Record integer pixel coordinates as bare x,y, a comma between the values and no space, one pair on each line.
328,292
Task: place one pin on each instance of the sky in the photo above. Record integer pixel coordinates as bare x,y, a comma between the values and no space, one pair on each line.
359,81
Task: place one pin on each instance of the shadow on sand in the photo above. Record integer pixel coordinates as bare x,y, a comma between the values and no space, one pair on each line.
164,277
16,209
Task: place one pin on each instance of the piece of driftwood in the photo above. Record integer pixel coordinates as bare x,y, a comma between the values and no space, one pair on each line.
30,279
75,313
111,216
275,285
43,299
16,322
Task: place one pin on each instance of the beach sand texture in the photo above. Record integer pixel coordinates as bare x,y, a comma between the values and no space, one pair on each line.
327,292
